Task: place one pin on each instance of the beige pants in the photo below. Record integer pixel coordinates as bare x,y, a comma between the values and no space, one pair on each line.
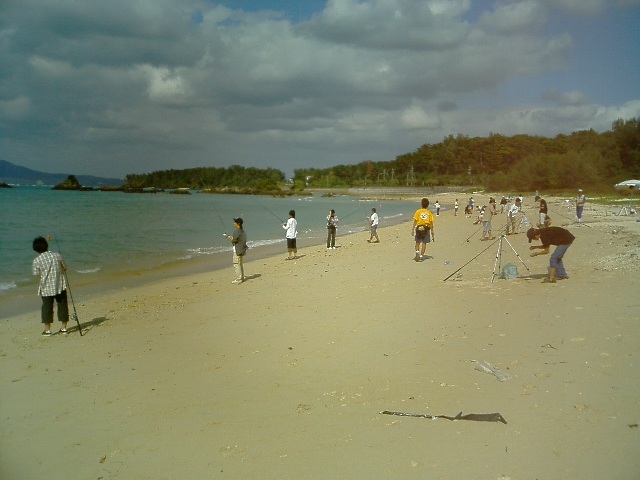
239,267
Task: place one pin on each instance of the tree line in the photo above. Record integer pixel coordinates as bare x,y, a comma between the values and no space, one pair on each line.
521,162
234,179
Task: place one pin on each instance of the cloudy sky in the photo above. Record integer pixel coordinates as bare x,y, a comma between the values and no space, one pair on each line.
110,87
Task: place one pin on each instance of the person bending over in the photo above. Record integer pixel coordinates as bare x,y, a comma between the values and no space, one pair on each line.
557,236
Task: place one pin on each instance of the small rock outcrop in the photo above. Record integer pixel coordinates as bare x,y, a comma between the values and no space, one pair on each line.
71,183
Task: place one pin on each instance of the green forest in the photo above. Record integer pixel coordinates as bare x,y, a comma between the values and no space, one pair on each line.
234,179
521,162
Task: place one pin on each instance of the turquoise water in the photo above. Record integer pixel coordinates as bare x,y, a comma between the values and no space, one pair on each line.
102,234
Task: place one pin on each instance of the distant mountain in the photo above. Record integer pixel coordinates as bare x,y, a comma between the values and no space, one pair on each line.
17,175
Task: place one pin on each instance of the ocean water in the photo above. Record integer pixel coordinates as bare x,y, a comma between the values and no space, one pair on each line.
109,234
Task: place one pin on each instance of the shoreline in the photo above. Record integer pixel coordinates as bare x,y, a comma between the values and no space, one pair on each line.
24,300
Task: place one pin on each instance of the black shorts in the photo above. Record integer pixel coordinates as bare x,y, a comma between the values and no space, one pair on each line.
291,243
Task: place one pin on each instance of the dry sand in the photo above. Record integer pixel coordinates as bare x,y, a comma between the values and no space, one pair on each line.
285,376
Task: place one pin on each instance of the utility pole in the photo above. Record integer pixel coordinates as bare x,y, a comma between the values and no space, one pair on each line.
410,175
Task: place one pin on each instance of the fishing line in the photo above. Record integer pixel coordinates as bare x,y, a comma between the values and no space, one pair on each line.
279,219
226,230
473,234
64,272
572,220
347,216
490,245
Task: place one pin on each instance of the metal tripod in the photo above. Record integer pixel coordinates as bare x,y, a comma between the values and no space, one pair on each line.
496,265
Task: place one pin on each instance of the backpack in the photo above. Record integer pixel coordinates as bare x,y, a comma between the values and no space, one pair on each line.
509,272
421,230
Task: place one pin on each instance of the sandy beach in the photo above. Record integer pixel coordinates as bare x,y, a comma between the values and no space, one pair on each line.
286,375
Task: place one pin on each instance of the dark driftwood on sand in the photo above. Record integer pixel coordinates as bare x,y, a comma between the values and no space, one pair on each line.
476,417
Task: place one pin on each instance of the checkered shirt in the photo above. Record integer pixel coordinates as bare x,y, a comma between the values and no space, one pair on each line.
50,267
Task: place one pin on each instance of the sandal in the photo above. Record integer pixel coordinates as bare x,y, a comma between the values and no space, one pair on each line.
548,280
63,330
46,333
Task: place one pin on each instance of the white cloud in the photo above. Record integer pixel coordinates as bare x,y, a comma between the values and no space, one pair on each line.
416,118
165,85
516,17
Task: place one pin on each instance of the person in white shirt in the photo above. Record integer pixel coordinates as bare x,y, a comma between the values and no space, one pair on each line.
512,214
373,226
291,226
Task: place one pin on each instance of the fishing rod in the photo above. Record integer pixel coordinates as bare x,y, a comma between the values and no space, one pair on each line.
572,220
279,219
226,230
490,245
502,230
355,211
467,240
64,272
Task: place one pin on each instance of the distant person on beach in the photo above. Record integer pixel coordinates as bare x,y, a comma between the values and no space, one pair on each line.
373,226
512,216
437,205
239,241
543,211
480,213
489,212
503,204
50,267
422,229
291,226
580,201
332,228
558,236
455,208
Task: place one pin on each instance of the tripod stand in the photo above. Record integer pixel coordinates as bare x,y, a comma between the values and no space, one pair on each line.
499,240
496,265
625,211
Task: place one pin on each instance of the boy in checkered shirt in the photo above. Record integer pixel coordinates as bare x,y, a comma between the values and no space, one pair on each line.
50,267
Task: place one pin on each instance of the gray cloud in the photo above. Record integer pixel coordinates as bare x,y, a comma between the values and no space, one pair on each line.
574,98
127,86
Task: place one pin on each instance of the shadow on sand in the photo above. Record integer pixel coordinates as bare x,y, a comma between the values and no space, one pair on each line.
86,326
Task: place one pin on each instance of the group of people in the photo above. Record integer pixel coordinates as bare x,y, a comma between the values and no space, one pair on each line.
423,232
549,235
50,266
239,238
